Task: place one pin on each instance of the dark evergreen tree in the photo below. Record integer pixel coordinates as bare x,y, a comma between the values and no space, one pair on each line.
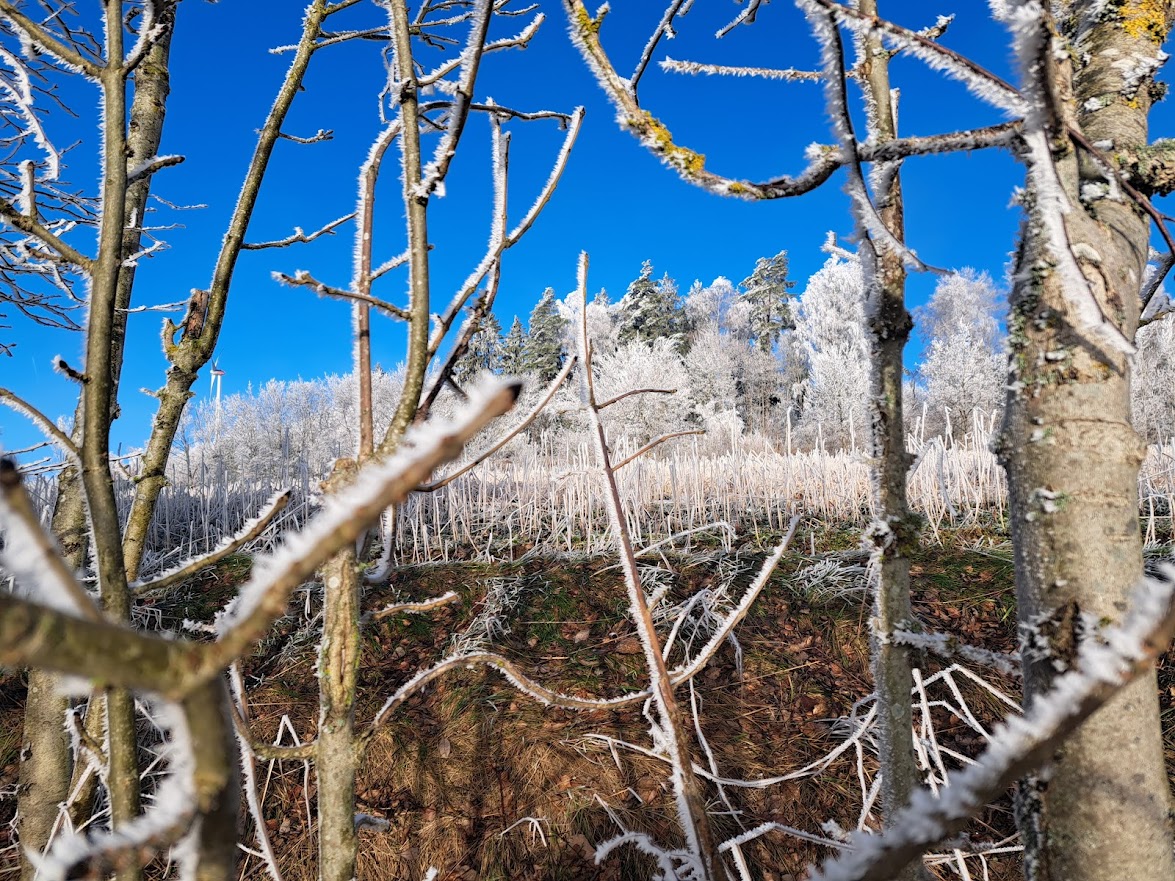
768,293
652,310
514,350
484,353
543,354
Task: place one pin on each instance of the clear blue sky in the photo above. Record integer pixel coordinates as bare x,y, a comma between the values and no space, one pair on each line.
615,201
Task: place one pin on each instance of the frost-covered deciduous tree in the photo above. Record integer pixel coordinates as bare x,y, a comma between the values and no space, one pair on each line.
637,365
712,364
964,366
830,332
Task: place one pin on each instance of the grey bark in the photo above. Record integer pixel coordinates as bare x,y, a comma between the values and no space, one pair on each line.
896,535
1103,810
338,754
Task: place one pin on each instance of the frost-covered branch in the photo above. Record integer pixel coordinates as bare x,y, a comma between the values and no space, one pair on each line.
227,547
1107,661
41,421
513,675
299,236
34,227
412,607
526,420
30,554
145,169
949,646
791,74
40,37
653,444
301,278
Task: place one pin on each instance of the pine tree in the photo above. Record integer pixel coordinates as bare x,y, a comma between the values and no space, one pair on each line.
767,291
652,310
543,354
514,349
484,353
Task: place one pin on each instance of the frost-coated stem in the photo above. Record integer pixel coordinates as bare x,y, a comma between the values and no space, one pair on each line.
98,403
416,211
198,340
691,804
338,754
361,285
896,535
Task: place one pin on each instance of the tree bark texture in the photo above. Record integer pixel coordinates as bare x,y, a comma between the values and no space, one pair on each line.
1103,810
338,755
896,534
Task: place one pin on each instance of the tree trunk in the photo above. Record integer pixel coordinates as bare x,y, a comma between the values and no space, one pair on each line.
895,534
1103,810
338,755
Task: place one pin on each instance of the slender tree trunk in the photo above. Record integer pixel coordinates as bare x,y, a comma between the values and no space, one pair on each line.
338,756
895,535
1103,810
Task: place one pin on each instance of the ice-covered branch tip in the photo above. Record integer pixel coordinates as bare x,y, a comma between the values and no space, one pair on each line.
1106,662
299,236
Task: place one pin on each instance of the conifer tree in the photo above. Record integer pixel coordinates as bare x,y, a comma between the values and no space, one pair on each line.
652,310
543,354
767,291
514,349
484,352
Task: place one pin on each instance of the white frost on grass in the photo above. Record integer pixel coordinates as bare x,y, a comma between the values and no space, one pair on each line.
1104,660
366,492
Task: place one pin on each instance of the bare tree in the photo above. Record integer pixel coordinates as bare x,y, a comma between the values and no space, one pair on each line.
1072,456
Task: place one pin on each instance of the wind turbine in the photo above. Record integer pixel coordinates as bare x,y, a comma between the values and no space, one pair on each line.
214,380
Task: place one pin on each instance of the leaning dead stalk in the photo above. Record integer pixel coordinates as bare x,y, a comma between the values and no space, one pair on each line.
670,728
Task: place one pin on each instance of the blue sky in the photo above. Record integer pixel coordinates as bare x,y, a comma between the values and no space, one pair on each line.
615,200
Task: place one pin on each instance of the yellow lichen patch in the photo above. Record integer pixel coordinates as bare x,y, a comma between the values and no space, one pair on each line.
658,138
1145,18
584,22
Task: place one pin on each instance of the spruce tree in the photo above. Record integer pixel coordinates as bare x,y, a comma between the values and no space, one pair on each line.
542,355
513,350
652,310
484,353
768,291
